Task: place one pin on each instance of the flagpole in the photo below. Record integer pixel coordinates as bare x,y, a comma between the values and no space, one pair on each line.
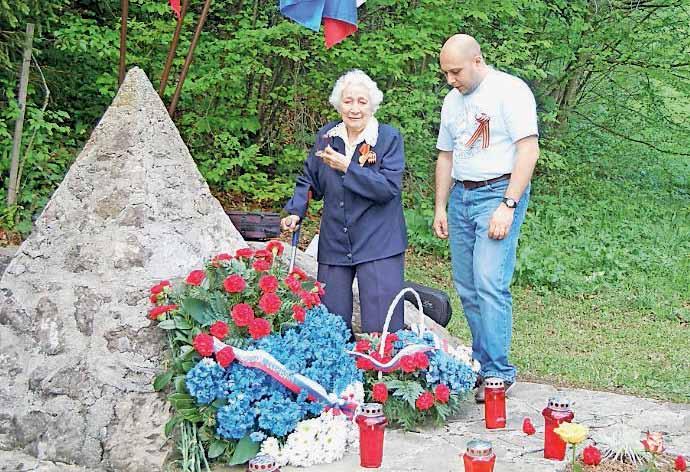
173,48
124,7
188,60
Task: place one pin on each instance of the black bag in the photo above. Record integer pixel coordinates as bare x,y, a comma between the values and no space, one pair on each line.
256,226
435,302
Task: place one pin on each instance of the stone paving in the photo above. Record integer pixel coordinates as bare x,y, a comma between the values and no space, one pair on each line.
438,450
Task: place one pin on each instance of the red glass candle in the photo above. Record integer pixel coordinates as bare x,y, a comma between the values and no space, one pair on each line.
494,403
479,457
263,463
558,411
372,424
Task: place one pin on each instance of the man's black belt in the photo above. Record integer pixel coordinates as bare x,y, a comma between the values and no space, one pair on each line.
471,184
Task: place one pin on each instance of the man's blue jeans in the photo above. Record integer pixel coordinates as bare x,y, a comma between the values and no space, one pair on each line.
482,272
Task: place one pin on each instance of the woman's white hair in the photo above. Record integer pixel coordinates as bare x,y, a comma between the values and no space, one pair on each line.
356,77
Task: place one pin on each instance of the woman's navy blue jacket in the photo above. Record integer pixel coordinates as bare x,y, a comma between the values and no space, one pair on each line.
362,211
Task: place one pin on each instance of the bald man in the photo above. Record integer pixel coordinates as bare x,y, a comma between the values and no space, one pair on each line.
488,148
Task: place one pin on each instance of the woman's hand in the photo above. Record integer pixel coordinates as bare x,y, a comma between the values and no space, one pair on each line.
334,159
289,223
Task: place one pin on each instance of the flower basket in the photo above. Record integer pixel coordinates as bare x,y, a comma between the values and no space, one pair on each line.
416,376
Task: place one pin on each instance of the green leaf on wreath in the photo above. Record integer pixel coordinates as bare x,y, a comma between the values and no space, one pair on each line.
219,403
180,384
219,305
161,380
167,324
245,450
170,425
407,390
308,285
217,448
191,414
442,412
200,310
182,324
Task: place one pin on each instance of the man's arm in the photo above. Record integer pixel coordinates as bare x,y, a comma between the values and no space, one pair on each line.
526,158
525,161
444,166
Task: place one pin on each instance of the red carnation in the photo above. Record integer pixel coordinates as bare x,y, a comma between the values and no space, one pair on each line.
680,464
195,277
153,298
382,358
158,288
244,253
268,283
293,284
220,258
425,401
270,303
275,247
442,393
364,364
159,310
219,329
318,288
259,328
225,356
310,299
421,360
261,265
298,274
527,427
392,337
264,254
380,392
408,364
363,346
591,456
203,343
234,284
242,314
298,313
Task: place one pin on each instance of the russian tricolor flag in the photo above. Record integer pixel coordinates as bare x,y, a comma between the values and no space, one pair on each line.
339,17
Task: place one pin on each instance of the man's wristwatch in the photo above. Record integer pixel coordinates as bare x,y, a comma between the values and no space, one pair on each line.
509,202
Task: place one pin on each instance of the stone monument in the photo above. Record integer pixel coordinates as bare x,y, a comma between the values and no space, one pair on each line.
77,352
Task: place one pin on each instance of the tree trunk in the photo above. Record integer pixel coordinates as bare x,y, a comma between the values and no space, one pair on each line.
19,124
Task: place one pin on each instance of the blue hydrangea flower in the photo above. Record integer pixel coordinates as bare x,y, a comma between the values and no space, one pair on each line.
257,436
444,369
279,414
236,419
205,381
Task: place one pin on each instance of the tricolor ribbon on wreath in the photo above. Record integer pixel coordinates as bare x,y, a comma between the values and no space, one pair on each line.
293,381
481,131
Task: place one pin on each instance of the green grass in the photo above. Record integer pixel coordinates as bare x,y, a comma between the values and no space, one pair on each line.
602,294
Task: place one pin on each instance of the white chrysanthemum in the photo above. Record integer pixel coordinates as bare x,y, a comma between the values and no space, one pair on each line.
318,440
271,447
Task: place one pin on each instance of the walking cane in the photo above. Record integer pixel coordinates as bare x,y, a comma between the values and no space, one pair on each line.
295,238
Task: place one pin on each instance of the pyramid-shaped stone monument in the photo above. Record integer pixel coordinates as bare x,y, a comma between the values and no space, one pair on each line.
77,352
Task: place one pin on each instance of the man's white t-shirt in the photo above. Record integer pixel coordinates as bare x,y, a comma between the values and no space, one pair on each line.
485,149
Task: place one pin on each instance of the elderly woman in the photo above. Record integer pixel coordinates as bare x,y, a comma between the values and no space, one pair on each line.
357,166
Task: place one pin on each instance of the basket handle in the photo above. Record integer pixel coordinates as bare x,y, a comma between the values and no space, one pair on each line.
402,292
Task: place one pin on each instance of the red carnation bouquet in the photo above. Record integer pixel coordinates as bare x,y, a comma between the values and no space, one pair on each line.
413,384
238,296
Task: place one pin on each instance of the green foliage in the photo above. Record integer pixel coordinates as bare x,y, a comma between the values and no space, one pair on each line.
258,88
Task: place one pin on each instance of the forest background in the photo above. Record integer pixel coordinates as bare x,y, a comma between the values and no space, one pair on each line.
602,285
